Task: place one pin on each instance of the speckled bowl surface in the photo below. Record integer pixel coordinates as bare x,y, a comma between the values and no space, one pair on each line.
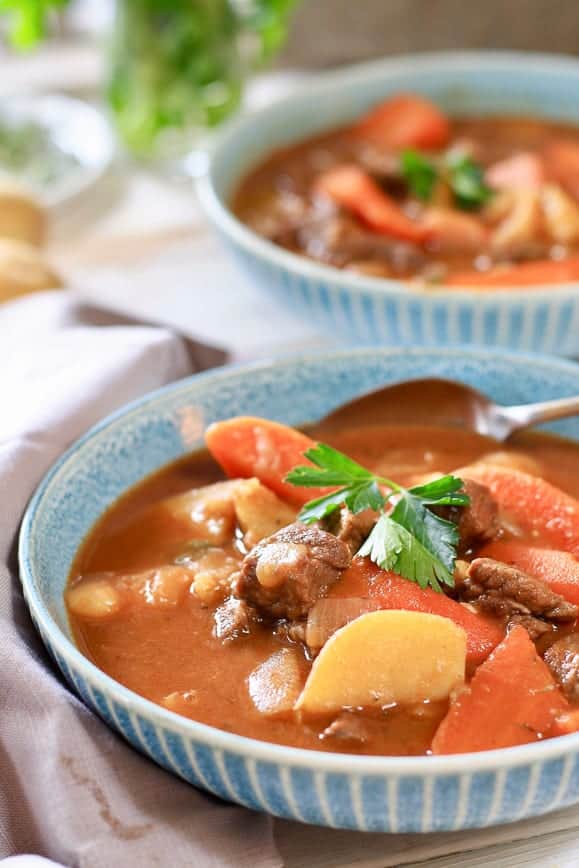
389,794
366,310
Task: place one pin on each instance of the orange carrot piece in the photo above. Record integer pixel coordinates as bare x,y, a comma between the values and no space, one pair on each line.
522,171
551,515
405,121
512,699
365,579
559,570
566,723
356,191
249,446
527,274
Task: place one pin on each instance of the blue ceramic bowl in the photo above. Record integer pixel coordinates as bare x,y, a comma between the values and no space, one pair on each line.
388,794
368,310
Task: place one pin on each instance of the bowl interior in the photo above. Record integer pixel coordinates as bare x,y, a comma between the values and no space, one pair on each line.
464,84
151,432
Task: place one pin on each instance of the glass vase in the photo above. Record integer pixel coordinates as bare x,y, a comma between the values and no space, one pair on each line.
175,72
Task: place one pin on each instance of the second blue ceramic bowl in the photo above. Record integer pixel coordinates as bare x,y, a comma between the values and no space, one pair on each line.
386,794
366,310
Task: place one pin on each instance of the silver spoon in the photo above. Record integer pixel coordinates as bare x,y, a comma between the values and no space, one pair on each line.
445,402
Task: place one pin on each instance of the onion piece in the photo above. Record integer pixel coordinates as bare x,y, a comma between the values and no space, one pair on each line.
331,614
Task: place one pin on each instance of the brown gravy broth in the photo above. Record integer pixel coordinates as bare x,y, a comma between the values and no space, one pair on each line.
275,200
156,652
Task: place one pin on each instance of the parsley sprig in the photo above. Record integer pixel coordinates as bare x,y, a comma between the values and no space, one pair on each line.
411,540
467,182
463,175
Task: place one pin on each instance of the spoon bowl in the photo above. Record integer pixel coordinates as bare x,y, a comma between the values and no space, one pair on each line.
448,403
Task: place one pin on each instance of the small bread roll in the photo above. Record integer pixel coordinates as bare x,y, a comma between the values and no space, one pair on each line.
21,217
23,270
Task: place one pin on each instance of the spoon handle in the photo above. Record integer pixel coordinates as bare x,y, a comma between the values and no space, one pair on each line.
525,415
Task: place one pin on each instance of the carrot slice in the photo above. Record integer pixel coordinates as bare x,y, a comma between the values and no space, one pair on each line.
566,723
249,446
405,121
364,579
559,570
525,274
354,190
512,699
551,515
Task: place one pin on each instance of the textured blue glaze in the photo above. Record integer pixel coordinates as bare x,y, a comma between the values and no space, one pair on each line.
463,84
515,791
410,803
304,795
445,802
367,793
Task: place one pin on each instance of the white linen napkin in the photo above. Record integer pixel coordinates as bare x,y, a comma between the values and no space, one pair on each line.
71,790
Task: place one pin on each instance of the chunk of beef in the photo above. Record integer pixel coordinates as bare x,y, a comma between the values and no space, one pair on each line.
233,619
383,165
347,728
476,522
562,658
505,590
534,626
351,529
286,573
285,213
339,240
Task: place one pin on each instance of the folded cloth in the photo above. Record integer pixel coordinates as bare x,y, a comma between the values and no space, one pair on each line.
71,790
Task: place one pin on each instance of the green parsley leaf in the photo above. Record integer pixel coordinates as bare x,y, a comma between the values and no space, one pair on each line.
392,547
437,536
322,507
385,543
358,486
444,491
411,540
419,173
332,468
466,179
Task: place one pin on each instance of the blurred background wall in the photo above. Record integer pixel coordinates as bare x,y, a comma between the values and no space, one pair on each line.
327,32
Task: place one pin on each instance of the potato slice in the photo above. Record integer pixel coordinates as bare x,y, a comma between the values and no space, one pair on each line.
205,513
276,683
384,657
95,597
260,512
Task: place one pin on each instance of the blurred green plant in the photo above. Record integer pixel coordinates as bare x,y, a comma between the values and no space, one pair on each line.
175,65
28,20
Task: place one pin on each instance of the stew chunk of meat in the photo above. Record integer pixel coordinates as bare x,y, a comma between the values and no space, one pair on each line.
562,658
286,573
535,627
234,618
476,522
505,590
351,528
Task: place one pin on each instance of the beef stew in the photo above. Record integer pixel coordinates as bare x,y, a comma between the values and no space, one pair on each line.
431,614
408,193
